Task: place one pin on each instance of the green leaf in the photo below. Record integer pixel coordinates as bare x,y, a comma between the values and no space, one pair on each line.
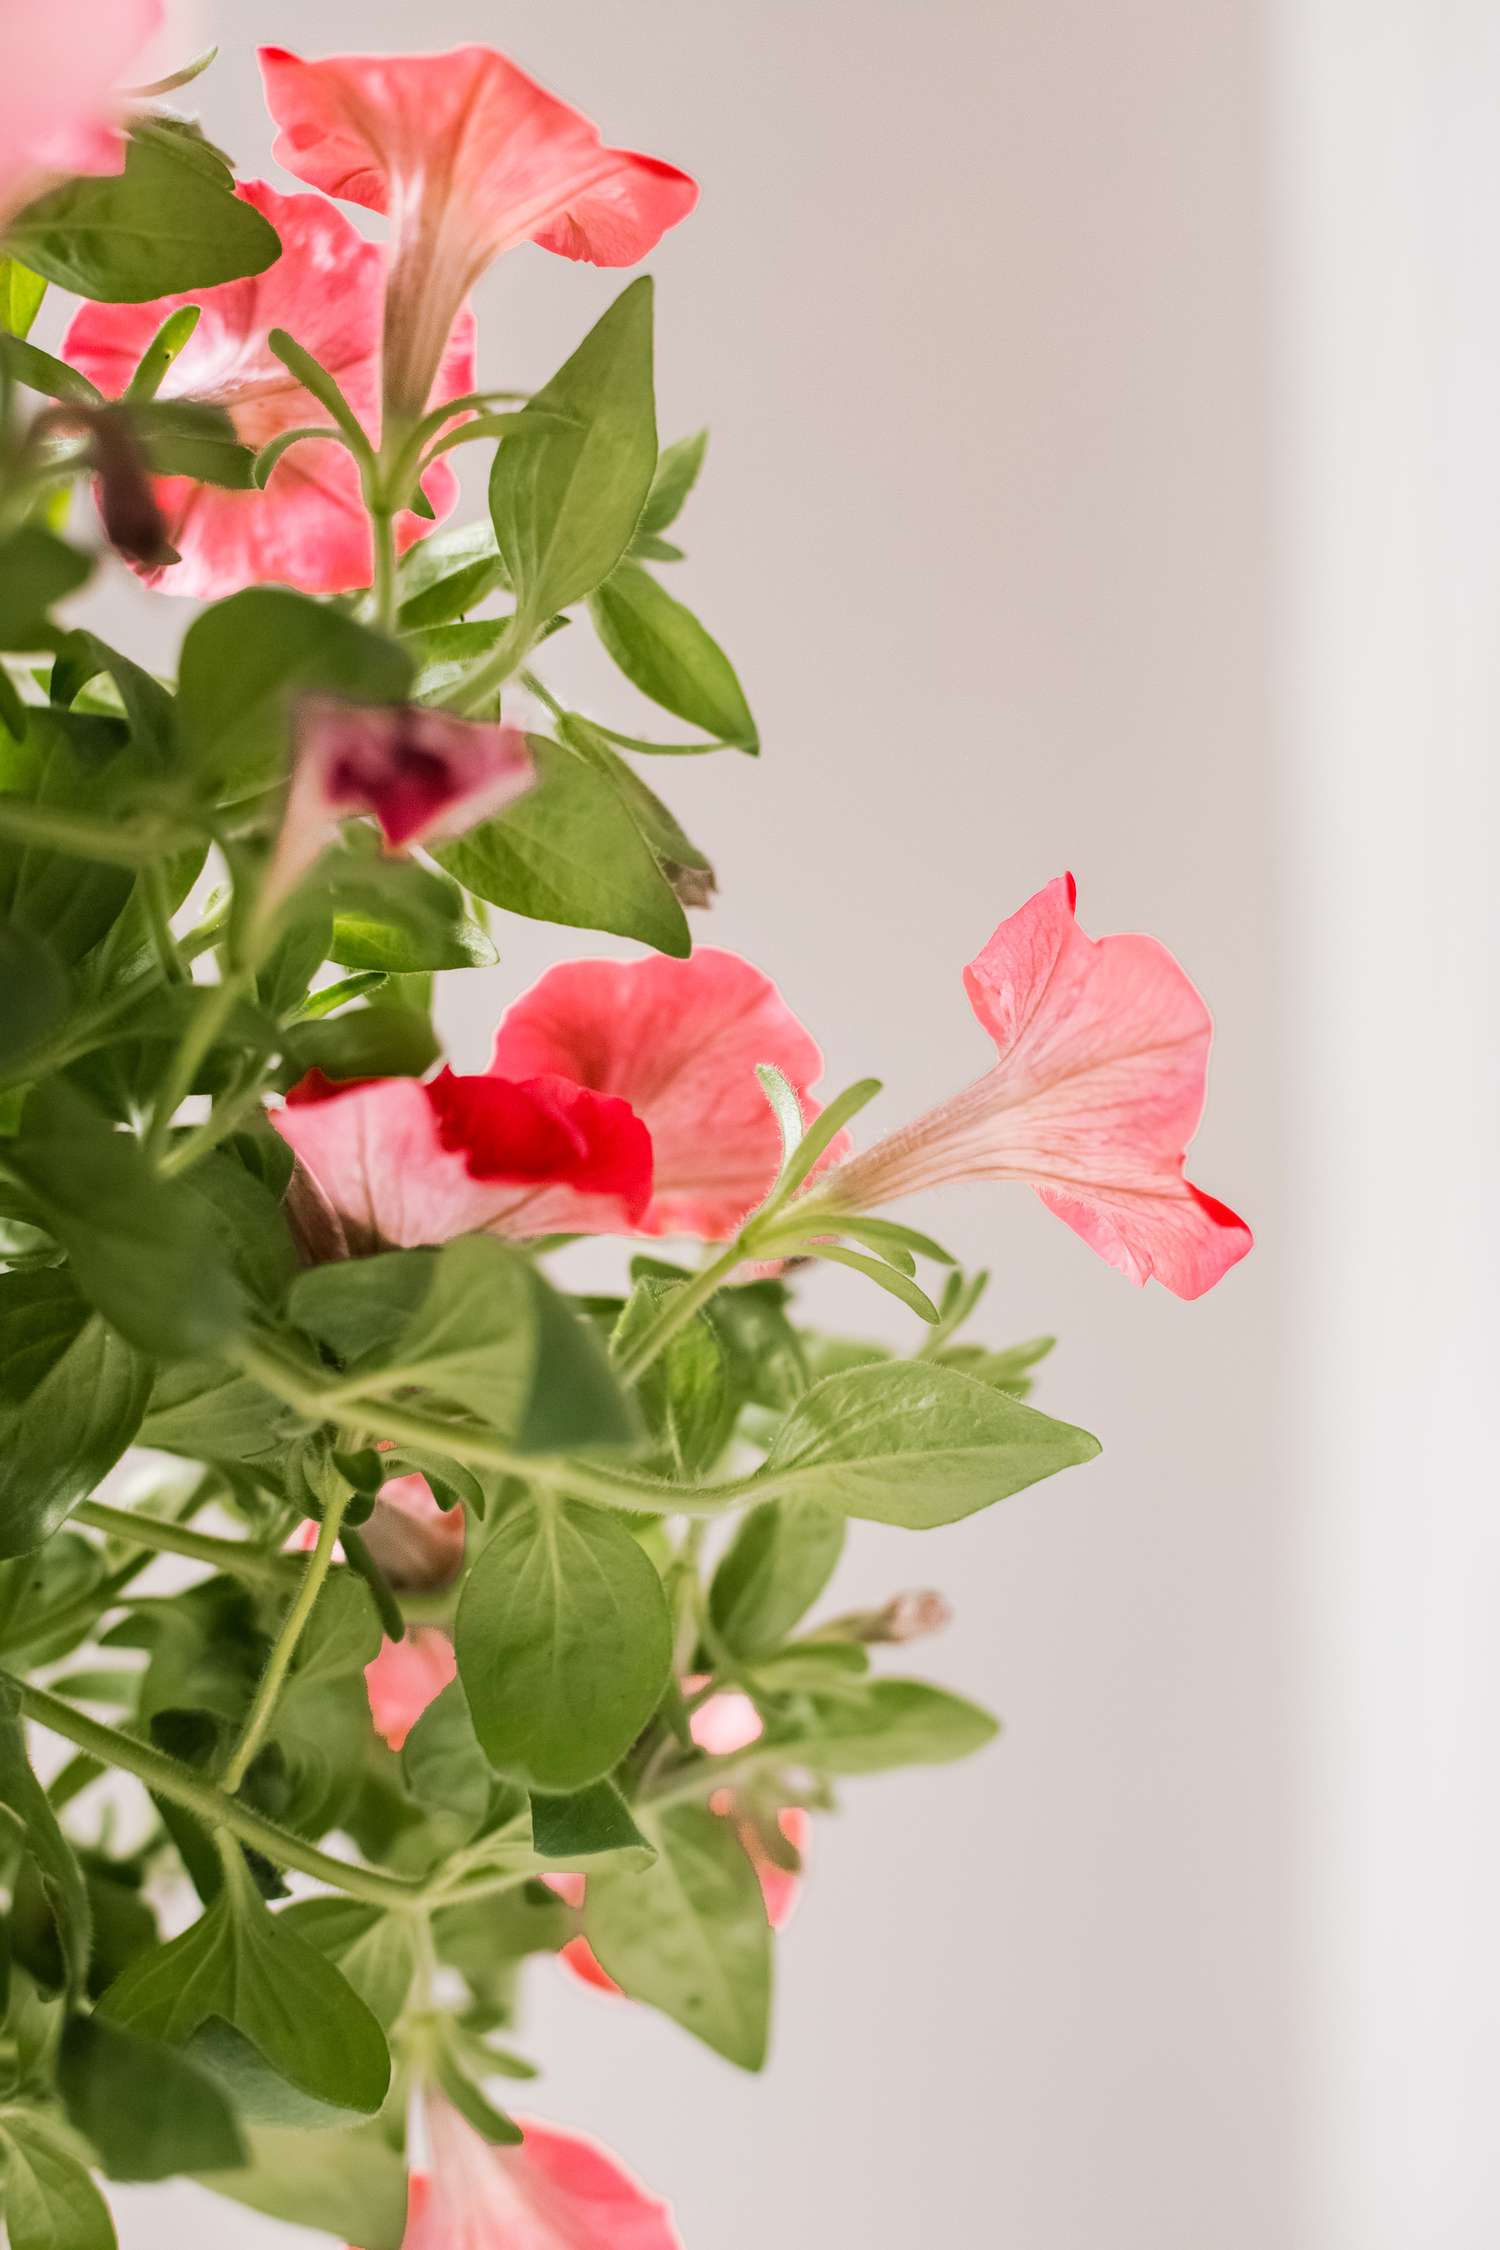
21,294
690,1935
168,222
53,1857
778,1563
377,1952
684,866
569,851
83,657
72,1394
351,2185
449,575
564,1643
909,1443
474,2106
684,1393
477,1324
565,502
141,1248
397,915
50,2201
66,762
175,332
885,1276
247,660
663,650
676,474
35,991
145,2107
36,572
205,1412
444,1767
1003,1371
303,2043
316,380
39,371
588,1824
881,1724
378,1042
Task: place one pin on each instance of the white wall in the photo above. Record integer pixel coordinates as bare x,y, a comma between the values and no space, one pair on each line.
1103,474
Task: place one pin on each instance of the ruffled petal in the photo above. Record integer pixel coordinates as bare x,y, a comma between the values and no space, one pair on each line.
60,68
557,2191
405,1163
678,1040
309,528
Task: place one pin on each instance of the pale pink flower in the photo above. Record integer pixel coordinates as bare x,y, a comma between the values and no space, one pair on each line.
309,528
1103,1055
404,1163
420,774
61,63
405,1677
725,1723
470,157
557,2191
678,1040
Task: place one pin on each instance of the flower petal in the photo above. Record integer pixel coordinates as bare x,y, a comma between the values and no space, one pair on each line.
405,1164
557,2191
678,1040
60,69
1103,1057
309,527
416,1543
405,1677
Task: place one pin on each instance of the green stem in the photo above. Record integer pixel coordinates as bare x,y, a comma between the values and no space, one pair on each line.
678,1311
228,1113
120,843
585,1480
168,1778
279,1663
159,922
383,587
236,1556
197,1040
490,674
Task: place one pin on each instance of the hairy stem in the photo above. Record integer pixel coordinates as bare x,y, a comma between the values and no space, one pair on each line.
236,1556
678,1311
279,1663
168,1778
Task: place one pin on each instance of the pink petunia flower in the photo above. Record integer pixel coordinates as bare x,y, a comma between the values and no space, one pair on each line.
470,157
309,527
404,1163
557,2191
724,1724
405,1677
418,1545
1103,1056
678,1040
420,774
60,68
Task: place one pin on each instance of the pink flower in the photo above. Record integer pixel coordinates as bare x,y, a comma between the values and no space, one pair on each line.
59,71
1103,1054
470,157
309,527
405,1163
405,1677
678,1040
416,1543
557,2191
724,1724
421,775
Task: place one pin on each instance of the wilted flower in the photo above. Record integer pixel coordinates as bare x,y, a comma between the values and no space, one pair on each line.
1103,1055
470,157
309,528
60,70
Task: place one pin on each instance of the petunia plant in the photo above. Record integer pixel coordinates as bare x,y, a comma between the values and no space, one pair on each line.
378,1612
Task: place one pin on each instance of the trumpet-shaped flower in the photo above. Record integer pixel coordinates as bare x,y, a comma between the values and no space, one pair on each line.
678,1040
419,774
1102,1049
557,2191
59,73
405,1162
470,157
309,528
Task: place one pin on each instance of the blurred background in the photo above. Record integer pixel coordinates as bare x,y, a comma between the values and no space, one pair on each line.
1104,474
